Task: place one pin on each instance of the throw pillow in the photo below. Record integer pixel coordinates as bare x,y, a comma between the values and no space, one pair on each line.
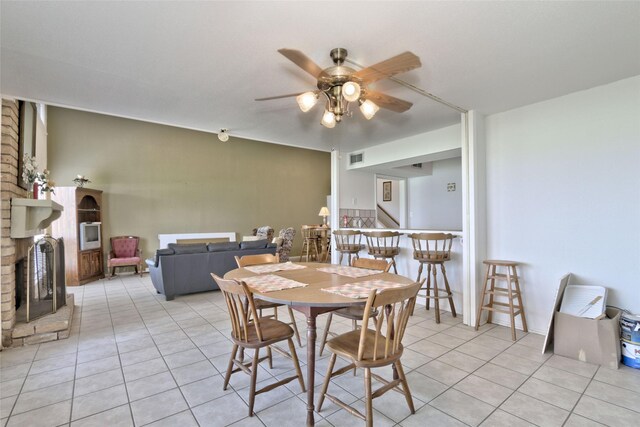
162,252
257,244
222,246
188,249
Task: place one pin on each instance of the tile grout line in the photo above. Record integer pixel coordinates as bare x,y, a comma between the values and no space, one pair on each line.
204,311
165,362
124,381
11,414
471,373
580,398
75,367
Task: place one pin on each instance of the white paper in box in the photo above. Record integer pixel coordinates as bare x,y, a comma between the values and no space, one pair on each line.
584,301
588,340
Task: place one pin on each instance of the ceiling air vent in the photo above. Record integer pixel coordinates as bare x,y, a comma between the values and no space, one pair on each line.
356,158
417,165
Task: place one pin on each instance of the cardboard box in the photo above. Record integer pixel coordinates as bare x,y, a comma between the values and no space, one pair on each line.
588,340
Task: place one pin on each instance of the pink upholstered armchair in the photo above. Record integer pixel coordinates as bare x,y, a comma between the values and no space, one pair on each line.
124,253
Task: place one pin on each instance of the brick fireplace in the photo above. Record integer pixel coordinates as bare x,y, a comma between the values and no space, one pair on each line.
15,251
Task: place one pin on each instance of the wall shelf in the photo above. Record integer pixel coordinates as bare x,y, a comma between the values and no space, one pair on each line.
30,217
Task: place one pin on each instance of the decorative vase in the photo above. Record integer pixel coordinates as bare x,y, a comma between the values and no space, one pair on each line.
30,194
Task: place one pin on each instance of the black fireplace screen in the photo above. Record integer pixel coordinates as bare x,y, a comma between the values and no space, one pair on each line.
46,290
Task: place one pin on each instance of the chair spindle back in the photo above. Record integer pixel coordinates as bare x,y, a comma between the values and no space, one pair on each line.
348,240
248,260
432,246
396,305
371,264
382,242
241,306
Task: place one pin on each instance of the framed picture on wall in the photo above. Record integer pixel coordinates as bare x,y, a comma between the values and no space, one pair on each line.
386,191
27,137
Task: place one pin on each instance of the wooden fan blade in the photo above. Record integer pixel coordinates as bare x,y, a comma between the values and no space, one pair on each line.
302,61
387,101
278,97
398,64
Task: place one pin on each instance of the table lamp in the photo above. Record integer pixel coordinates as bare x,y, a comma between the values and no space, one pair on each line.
324,213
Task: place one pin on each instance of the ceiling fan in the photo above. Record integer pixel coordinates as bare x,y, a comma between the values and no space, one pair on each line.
342,85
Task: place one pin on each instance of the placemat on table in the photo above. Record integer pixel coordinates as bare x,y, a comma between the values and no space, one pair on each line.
272,268
353,272
362,289
271,282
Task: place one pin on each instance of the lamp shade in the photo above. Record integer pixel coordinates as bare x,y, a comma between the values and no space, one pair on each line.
324,211
369,109
351,91
307,100
328,119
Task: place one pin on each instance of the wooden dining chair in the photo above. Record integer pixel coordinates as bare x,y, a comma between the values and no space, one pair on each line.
259,259
250,331
374,347
354,313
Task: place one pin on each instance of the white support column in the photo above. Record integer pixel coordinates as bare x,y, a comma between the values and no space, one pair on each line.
335,199
474,210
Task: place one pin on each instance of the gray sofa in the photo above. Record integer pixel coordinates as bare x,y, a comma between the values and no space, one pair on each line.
185,269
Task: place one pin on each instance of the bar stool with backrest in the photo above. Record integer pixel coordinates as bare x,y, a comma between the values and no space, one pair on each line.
309,243
375,347
511,292
259,259
348,242
355,312
434,249
384,244
250,331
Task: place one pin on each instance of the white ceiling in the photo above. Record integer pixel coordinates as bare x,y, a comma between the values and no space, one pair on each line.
200,64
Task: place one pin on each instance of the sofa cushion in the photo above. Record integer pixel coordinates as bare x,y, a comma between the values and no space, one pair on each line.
256,244
222,246
162,252
188,249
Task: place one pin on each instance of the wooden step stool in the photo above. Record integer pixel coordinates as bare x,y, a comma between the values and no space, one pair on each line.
511,292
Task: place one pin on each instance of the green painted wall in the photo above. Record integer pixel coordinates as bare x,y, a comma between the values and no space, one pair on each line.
160,179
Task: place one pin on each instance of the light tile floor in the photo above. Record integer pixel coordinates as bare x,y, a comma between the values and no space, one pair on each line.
135,359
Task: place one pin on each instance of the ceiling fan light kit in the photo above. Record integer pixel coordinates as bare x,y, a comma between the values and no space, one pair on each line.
342,85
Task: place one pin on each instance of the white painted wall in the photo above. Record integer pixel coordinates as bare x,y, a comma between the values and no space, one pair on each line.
563,194
357,188
431,206
436,141
392,207
360,185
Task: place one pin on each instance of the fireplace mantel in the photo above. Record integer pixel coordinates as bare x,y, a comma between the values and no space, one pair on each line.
30,217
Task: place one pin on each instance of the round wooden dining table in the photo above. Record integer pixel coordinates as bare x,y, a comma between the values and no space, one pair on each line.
312,301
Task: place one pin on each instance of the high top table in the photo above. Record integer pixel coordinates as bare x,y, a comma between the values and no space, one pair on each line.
312,301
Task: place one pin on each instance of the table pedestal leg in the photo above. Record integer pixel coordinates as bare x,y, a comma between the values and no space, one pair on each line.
311,367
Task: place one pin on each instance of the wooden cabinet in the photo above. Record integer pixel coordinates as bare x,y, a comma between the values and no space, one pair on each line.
81,205
90,265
